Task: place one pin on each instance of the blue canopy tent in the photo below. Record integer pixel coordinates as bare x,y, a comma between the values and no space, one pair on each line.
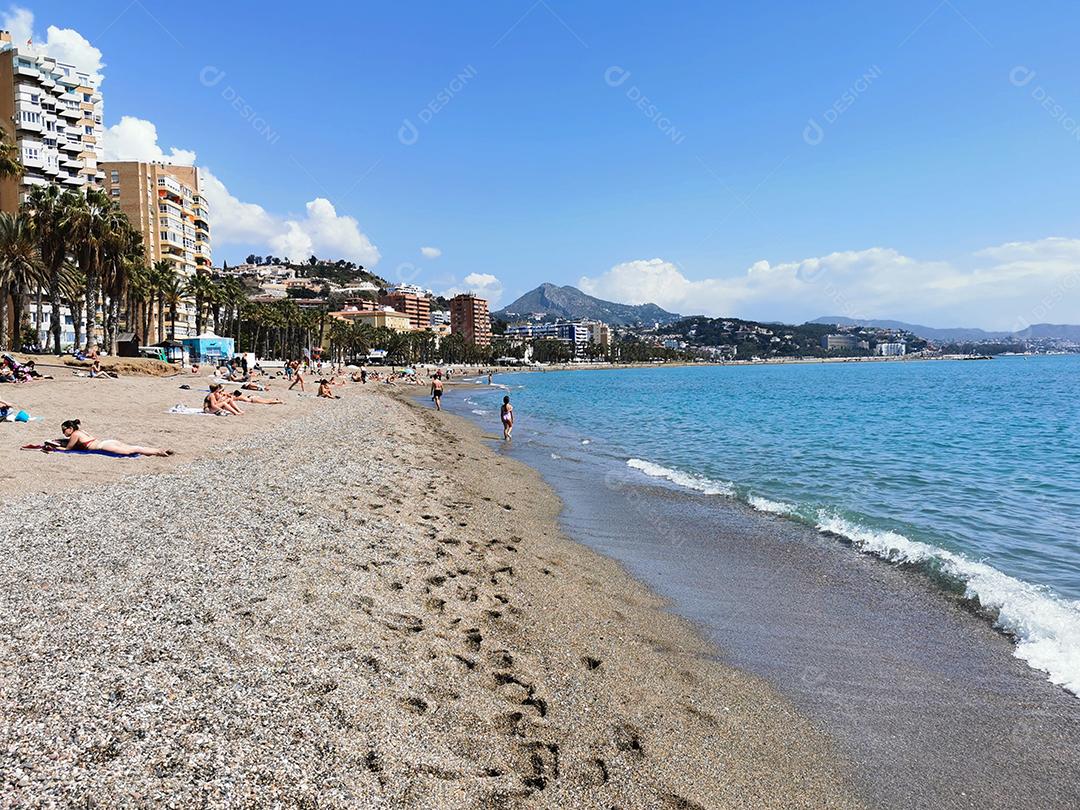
209,348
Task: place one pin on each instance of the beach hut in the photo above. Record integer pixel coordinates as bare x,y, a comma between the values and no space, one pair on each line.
174,350
127,345
209,348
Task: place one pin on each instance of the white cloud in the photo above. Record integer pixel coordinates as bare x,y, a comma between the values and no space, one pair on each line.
484,285
137,139
65,44
430,252
321,230
1003,288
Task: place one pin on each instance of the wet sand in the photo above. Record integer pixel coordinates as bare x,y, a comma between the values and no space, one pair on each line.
924,697
356,602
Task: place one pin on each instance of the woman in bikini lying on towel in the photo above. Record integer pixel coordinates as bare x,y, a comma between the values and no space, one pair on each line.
81,440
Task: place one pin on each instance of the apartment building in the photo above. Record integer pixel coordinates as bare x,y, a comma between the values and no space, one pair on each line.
52,112
164,203
417,307
469,317
578,334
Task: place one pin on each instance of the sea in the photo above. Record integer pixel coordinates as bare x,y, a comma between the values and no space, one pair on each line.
965,473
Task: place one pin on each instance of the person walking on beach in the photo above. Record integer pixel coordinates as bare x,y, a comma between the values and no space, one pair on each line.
436,393
298,376
506,413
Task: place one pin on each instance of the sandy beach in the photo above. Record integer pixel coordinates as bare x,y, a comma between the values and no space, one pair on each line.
346,603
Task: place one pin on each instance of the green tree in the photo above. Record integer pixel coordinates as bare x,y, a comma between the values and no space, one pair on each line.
20,269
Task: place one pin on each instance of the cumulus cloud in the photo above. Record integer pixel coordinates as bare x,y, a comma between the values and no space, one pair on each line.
1005,287
484,285
430,252
137,139
321,230
65,44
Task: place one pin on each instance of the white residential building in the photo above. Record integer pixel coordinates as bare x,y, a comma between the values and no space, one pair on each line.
52,112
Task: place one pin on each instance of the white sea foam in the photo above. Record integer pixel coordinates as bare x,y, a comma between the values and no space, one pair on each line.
683,479
1046,628
555,456
585,441
480,412
772,507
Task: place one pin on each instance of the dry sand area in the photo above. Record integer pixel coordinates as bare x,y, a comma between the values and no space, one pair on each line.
355,604
132,409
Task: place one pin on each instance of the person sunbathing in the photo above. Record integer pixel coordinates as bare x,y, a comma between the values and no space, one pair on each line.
240,396
31,371
97,372
325,392
218,402
78,439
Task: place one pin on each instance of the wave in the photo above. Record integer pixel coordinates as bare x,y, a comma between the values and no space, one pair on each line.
683,479
772,507
480,412
1044,627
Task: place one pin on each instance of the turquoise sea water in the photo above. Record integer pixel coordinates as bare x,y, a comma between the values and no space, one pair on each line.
969,470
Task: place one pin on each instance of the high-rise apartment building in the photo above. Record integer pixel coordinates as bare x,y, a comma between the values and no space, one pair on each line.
52,112
164,203
417,307
469,317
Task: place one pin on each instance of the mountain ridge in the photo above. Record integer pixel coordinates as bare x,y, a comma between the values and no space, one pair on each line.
571,303
1037,331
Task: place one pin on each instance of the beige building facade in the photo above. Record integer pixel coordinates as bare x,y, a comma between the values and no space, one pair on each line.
165,204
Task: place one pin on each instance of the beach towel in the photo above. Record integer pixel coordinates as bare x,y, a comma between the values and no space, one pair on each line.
185,410
76,452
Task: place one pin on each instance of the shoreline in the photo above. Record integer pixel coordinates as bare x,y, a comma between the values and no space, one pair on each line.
384,609
902,675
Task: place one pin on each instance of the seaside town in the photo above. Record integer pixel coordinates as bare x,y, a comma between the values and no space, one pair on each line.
285,526
121,250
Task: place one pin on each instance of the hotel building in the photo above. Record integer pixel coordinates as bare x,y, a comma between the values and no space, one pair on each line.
469,317
377,318
52,113
417,307
164,203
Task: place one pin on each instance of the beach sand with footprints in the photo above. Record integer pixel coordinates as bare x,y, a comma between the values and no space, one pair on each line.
347,603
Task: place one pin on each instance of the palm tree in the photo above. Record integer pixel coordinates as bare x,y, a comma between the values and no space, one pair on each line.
9,157
86,223
162,275
200,289
47,207
20,269
172,292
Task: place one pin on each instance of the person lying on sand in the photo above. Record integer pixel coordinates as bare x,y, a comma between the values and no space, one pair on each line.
325,392
240,396
5,409
218,402
78,439
31,371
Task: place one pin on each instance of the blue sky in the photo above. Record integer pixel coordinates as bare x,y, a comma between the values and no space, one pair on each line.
775,160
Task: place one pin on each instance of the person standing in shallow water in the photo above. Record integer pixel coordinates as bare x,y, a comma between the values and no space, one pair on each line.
436,393
506,413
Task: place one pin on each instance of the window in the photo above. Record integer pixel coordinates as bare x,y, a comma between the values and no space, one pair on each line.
116,192
89,130
35,98
115,177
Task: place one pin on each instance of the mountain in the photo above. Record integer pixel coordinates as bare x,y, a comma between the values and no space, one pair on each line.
571,303
1038,331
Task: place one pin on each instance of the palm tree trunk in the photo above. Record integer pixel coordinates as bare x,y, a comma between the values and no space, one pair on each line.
4,318
54,302
76,321
39,316
91,310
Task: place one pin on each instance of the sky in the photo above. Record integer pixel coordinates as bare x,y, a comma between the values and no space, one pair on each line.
770,160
